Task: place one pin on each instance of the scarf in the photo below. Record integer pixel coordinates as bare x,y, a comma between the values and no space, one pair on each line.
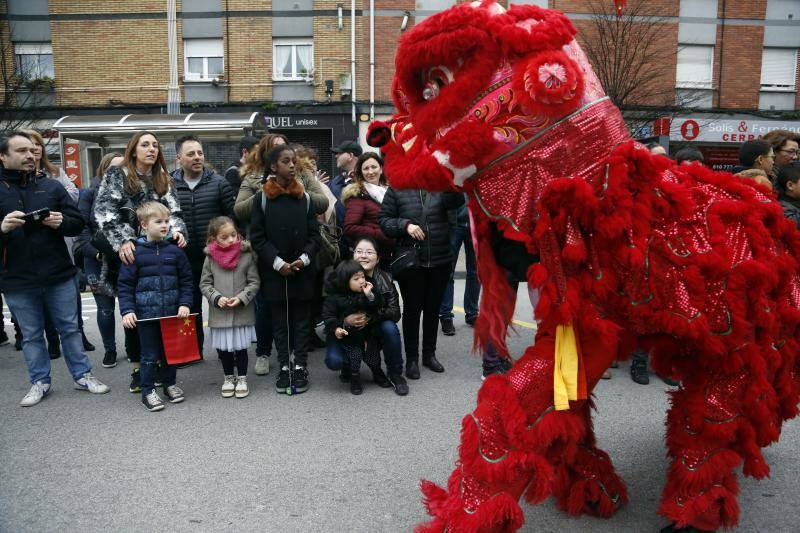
228,257
273,189
377,192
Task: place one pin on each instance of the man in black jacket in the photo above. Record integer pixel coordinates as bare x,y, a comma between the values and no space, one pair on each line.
37,274
203,196
232,176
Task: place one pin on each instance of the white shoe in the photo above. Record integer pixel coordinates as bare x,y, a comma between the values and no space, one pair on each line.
38,391
228,386
90,383
262,365
241,387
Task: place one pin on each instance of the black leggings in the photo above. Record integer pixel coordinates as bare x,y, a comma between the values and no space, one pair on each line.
355,353
239,357
422,290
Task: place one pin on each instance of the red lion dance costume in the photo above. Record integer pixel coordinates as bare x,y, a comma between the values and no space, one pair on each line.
701,267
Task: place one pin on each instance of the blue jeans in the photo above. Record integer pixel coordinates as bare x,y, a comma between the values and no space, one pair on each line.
153,353
105,308
59,304
390,344
461,235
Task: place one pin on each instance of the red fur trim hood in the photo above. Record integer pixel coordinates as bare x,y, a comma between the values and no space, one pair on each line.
273,189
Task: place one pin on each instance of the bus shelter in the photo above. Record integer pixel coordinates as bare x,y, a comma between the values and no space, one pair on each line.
85,139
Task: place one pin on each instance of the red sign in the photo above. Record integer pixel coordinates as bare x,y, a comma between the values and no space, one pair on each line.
661,126
720,158
690,130
72,163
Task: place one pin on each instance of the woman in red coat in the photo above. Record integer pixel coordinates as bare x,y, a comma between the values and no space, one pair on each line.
362,203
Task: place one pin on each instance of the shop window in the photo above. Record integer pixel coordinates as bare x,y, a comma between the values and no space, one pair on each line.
203,59
34,61
292,59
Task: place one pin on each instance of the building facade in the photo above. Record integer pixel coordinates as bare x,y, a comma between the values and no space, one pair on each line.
320,70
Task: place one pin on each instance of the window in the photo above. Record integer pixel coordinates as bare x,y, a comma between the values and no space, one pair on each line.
292,59
779,69
695,67
34,60
203,59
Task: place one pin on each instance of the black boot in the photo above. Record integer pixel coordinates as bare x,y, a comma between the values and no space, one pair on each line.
399,384
87,346
344,374
355,384
380,378
54,349
412,369
431,362
639,371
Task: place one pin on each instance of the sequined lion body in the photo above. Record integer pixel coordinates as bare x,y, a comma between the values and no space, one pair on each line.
698,267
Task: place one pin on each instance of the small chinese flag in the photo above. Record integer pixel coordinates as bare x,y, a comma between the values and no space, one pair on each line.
179,336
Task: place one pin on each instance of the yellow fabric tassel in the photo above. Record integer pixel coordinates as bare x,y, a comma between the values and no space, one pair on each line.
565,373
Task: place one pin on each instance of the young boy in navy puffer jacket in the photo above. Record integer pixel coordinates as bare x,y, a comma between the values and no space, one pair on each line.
157,284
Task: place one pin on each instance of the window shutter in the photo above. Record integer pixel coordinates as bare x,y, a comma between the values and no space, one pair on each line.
695,66
779,69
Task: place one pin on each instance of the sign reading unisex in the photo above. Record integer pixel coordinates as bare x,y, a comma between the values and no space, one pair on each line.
711,130
72,162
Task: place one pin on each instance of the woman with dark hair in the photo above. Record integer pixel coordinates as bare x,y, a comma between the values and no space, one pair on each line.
387,316
362,201
101,271
419,220
785,145
141,177
284,233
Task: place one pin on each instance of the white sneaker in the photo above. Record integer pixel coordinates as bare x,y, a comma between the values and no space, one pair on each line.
241,387
262,365
38,391
90,383
228,386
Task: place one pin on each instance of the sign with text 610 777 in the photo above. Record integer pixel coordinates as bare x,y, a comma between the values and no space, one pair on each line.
711,130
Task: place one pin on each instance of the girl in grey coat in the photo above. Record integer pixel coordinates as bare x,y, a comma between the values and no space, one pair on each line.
230,282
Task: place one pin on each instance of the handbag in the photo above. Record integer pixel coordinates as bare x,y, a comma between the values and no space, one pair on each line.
405,259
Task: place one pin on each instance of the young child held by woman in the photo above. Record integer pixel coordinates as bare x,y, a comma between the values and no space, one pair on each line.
230,282
349,292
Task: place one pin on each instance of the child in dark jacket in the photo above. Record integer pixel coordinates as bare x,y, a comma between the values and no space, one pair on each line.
349,292
157,284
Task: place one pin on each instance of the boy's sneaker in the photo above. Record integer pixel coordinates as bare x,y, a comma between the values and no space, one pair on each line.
110,359
136,381
38,391
4,338
262,365
152,402
300,378
399,383
90,383
174,394
241,387
283,380
228,386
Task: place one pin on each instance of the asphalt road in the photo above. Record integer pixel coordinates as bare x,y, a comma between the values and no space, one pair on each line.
322,461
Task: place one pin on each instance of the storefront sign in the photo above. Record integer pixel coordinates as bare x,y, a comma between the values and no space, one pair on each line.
720,158
72,163
710,130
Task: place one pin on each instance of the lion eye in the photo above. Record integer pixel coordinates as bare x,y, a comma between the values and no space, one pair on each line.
435,79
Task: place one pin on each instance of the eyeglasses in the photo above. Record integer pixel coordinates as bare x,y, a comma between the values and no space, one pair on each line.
368,253
792,153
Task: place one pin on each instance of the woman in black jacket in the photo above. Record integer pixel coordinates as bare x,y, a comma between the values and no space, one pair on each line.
418,220
284,233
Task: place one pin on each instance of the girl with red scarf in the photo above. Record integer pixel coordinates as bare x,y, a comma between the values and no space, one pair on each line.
230,282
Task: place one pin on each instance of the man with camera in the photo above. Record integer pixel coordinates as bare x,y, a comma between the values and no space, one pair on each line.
36,273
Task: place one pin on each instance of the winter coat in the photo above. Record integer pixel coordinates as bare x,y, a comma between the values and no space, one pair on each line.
157,282
251,185
791,209
389,307
339,304
211,197
114,208
34,255
242,282
288,230
403,207
337,185
361,213
83,243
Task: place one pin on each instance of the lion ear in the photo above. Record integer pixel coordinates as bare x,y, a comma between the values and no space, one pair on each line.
526,28
548,83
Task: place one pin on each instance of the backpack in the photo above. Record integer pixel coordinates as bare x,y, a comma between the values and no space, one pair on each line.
328,254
